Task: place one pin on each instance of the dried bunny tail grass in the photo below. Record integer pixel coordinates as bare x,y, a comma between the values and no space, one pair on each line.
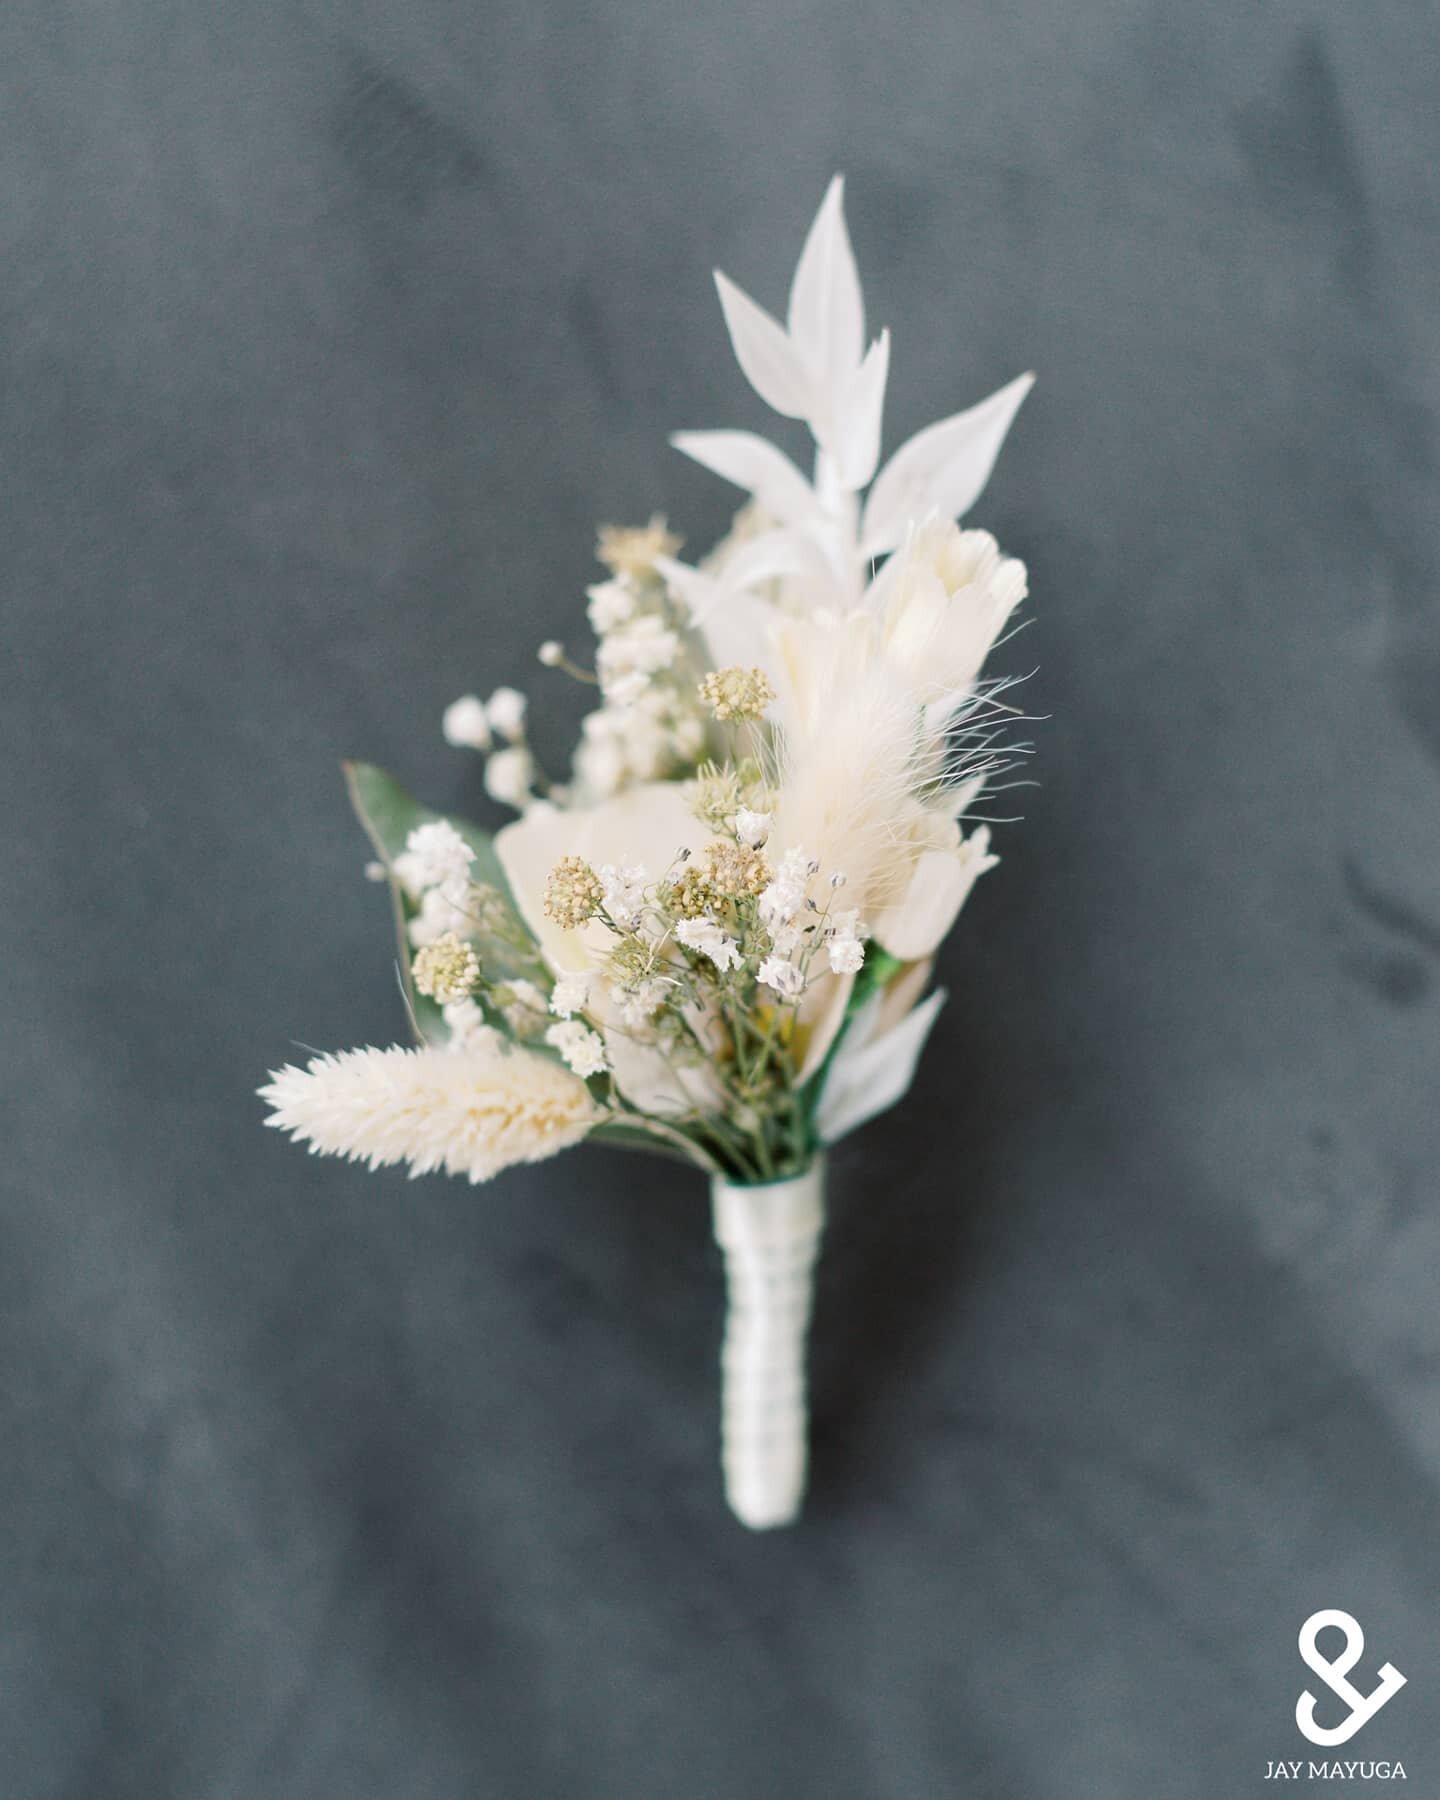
468,1112
850,782
974,738
867,772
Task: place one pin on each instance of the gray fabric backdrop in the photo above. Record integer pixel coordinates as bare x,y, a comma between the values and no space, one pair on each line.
328,333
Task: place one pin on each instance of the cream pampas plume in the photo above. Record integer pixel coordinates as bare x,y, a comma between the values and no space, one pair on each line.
468,1112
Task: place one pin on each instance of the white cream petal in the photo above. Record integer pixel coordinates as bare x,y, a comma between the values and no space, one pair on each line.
821,1014
645,825
915,924
871,1074
650,1081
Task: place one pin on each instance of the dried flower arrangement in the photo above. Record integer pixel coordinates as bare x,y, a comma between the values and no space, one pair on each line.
715,938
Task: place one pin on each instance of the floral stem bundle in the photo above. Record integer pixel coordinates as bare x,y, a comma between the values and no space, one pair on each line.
714,937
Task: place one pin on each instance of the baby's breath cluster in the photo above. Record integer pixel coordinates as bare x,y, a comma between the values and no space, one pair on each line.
704,969
496,728
648,725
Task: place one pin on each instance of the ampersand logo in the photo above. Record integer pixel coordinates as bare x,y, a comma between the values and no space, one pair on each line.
1333,1672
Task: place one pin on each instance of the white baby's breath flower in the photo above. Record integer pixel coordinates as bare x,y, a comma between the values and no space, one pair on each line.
785,940
705,936
752,827
570,995
639,1004
468,1031
435,855
442,910
624,893
844,945
649,748
469,1112
465,724
778,905
785,895
508,776
551,653
847,956
629,656
797,866
505,710
600,765
782,977
583,1050
525,994
610,604
625,687
647,643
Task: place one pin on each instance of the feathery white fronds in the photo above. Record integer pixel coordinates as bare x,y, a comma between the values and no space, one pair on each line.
852,763
468,1112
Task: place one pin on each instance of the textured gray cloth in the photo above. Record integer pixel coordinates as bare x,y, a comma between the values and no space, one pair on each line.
328,334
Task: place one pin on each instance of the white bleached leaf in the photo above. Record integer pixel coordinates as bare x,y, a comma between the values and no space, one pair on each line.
826,315
697,591
741,631
755,464
737,625
857,449
942,469
769,360
775,554
868,1077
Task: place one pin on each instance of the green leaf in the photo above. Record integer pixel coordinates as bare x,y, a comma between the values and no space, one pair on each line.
389,815
625,1134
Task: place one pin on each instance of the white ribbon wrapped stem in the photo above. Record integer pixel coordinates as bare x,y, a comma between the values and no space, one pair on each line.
770,1235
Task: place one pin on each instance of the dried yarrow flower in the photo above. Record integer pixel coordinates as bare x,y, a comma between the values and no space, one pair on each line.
735,870
446,970
736,692
635,549
573,892
690,895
